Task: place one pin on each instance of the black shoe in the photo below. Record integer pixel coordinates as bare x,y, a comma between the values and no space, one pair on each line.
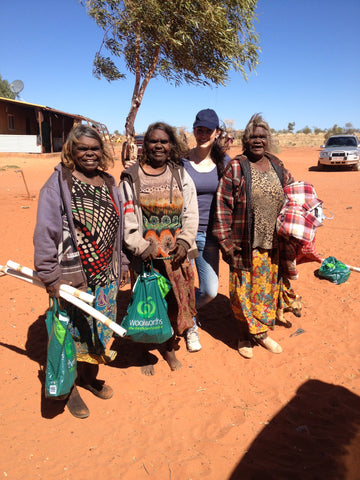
99,389
76,405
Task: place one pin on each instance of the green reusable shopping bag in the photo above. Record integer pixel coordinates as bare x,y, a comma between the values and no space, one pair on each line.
61,366
164,284
334,270
147,320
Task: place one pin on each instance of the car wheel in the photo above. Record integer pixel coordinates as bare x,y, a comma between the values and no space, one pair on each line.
320,166
356,167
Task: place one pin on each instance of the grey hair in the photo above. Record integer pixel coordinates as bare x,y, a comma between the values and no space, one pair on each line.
256,121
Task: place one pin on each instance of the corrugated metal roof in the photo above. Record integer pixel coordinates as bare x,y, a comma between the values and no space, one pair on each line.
49,109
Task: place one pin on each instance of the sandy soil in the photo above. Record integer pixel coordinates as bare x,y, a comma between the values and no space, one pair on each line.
294,415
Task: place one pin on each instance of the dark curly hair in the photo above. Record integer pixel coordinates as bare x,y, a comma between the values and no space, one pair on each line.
178,149
68,150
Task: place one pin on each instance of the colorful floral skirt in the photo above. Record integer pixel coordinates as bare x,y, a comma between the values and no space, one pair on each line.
256,295
91,336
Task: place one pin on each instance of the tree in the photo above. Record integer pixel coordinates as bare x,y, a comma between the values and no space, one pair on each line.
291,127
317,130
335,130
349,128
229,125
5,89
305,130
191,41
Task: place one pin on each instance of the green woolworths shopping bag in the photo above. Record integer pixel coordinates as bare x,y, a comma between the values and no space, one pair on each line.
334,270
61,365
147,320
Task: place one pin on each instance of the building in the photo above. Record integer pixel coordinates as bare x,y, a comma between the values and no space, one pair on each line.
30,128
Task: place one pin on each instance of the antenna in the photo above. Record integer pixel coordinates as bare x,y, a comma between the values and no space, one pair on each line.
16,87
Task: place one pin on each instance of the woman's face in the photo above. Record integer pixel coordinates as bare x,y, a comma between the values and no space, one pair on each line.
258,143
158,148
205,137
87,155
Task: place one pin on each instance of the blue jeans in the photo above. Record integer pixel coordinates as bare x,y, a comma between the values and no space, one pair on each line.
207,266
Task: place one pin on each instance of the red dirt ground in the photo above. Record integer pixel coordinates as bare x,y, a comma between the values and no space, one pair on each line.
221,417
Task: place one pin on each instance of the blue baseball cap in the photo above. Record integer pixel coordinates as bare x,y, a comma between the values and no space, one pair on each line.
206,118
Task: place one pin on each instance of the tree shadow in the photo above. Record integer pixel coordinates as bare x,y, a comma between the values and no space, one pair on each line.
315,436
217,319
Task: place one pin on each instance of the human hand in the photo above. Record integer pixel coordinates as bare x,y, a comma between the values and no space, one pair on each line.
230,255
124,278
54,290
149,253
179,253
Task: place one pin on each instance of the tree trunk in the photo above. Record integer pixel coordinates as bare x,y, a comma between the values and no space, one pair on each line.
129,154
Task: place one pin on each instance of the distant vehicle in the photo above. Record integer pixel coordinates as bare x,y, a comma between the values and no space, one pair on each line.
139,139
340,150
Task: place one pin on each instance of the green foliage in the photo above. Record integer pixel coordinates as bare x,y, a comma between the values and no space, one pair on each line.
191,41
335,130
5,89
291,126
317,130
305,130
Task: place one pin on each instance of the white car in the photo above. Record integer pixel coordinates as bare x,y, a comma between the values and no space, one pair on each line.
340,150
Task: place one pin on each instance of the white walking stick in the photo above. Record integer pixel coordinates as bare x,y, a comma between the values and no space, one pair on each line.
66,293
351,267
28,272
354,269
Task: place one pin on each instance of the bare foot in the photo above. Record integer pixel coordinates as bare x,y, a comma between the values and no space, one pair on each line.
147,370
171,359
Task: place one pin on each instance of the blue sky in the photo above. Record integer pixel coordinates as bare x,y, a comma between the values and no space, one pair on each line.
309,71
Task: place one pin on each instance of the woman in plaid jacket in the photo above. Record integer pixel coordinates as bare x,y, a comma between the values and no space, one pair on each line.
249,199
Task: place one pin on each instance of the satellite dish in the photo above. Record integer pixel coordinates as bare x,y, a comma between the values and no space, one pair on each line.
16,86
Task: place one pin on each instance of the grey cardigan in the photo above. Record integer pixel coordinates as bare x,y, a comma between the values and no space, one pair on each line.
56,256
133,233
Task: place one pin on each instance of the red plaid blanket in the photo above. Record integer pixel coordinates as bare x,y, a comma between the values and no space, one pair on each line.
296,227
301,213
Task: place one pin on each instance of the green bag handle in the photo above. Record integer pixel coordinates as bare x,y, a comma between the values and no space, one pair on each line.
151,268
59,330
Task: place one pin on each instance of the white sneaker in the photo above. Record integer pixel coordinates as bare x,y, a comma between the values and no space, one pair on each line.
192,339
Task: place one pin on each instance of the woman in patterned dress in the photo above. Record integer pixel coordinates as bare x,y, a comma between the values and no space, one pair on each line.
77,239
160,224
249,199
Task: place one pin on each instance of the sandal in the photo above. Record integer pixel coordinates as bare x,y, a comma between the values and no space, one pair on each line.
245,348
269,344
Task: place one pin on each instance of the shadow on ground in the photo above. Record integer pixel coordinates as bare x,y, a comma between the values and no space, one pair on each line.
217,319
315,436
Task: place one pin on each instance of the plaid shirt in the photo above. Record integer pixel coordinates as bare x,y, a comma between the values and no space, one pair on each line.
233,225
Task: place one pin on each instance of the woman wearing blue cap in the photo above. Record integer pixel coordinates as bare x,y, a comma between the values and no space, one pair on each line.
205,165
